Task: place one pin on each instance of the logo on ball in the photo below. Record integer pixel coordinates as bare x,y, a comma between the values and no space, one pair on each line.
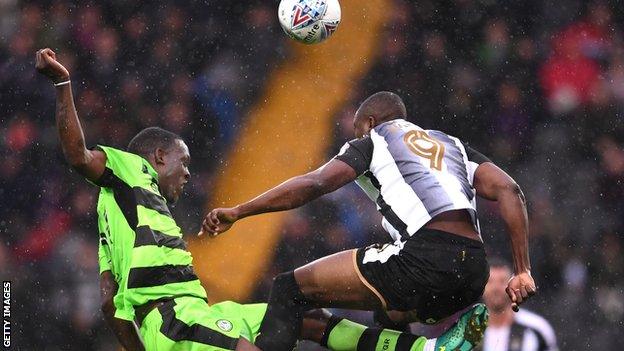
309,21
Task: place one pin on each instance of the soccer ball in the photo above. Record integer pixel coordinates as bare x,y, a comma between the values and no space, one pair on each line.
309,21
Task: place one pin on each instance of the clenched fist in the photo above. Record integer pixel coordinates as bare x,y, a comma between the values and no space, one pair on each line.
47,65
218,221
519,288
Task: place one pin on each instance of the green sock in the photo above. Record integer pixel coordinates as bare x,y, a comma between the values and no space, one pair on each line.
345,335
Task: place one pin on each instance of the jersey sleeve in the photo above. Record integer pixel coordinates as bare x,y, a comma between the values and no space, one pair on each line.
123,310
121,168
474,158
104,258
357,153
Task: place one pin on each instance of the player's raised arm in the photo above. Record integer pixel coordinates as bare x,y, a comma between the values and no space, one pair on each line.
292,193
89,163
494,184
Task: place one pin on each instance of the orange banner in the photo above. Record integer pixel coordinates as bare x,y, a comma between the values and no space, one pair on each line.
285,134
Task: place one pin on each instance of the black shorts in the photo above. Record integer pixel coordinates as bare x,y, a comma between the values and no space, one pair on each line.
434,273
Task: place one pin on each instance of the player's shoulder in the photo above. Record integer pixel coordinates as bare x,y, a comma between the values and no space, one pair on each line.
109,150
116,156
534,321
363,143
441,133
357,153
127,166
394,125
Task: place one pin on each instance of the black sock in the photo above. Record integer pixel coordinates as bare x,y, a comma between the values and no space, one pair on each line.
282,322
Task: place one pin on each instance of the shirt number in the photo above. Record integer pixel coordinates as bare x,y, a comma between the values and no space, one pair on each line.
425,146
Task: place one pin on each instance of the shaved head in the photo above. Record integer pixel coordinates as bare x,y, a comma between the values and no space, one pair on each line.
383,105
378,108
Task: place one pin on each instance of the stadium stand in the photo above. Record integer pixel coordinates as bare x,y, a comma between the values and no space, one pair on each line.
498,74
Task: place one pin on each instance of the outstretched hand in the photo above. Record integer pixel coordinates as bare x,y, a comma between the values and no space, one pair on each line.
218,221
47,64
520,288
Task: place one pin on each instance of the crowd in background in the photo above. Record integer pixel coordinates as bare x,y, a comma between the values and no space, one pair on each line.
536,86
182,65
539,89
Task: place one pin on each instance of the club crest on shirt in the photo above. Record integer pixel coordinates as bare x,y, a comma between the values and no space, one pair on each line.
224,325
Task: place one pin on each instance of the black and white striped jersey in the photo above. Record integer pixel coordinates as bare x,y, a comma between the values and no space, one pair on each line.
413,174
529,332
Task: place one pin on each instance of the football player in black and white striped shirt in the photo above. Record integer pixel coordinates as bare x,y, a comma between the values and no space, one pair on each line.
424,183
508,331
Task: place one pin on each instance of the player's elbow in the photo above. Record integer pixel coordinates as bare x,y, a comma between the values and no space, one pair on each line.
108,307
77,164
511,187
78,160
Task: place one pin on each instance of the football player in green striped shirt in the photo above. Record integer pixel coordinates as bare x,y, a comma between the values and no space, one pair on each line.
146,272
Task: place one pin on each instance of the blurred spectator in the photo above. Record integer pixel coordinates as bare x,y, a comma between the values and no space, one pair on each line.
571,75
568,77
511,122
508,330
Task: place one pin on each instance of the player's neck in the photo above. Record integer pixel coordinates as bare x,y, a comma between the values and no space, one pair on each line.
502,319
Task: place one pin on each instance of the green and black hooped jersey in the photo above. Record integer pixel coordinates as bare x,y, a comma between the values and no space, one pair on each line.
140,242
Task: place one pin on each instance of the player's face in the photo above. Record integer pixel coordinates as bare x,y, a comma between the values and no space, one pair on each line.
495,297
174,173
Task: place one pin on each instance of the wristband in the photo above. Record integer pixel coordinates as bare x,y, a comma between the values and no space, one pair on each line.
62,83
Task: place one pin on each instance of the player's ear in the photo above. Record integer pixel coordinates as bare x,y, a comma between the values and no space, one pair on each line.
159,156
372,122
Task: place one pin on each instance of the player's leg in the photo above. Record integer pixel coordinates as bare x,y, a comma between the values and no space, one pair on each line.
335,281
340,334
335,333
251,316
343,335
434,273
190,324
465,332
332,281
